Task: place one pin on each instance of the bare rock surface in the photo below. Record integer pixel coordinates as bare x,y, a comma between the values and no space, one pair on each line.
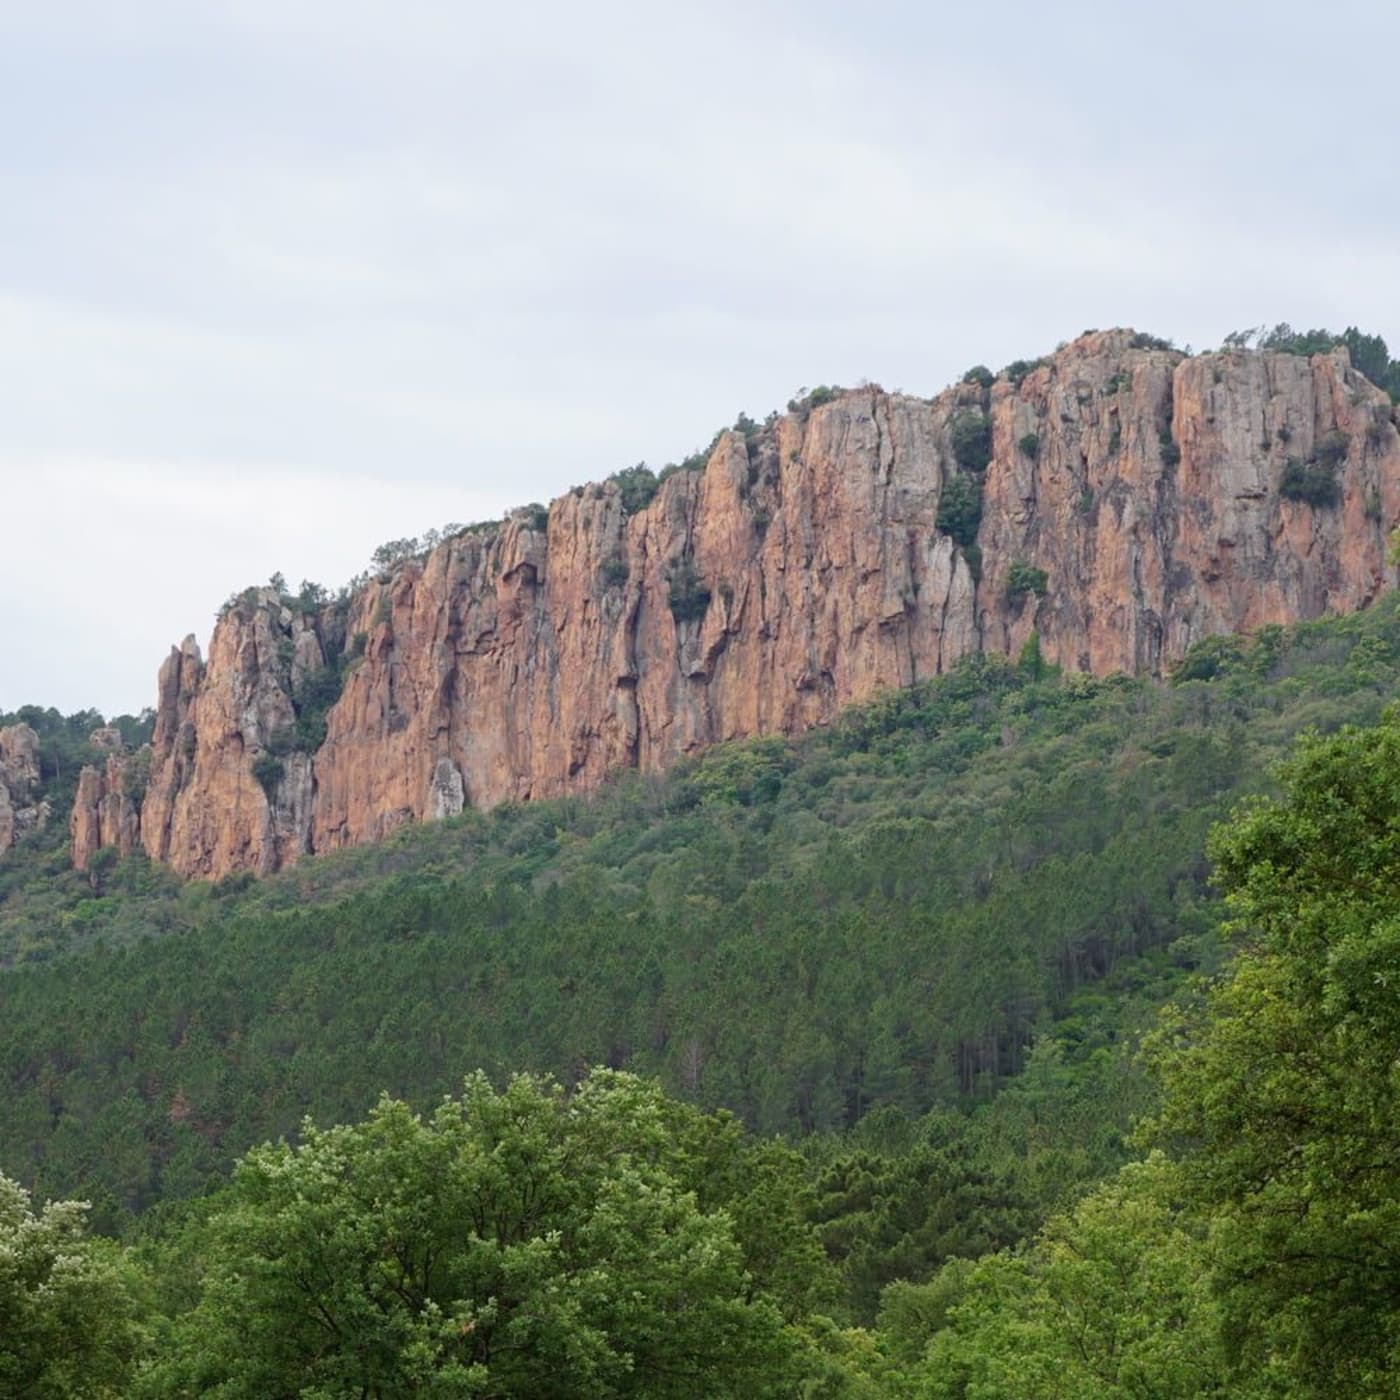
802,569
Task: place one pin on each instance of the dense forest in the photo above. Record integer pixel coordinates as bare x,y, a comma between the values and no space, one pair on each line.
846,1056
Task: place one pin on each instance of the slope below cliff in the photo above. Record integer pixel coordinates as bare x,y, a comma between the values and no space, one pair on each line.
1118,502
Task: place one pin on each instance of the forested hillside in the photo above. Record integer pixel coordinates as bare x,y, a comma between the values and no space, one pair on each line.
881,916
607,1240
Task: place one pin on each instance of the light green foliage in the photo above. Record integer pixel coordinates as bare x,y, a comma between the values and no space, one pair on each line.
744,773
1111,1301
1285,1093
67,1304
520,1243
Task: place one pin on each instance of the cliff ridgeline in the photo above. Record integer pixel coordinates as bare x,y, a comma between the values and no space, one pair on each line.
1113,504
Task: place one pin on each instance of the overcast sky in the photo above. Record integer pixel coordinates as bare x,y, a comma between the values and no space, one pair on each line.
281,279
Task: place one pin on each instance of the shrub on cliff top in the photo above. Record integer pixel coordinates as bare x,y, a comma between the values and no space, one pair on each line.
1017,370
636,485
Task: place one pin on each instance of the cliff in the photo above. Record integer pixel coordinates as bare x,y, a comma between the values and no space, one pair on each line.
1132,500
22,809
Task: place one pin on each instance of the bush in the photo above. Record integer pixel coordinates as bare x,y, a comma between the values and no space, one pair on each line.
137,777
807,399
1030,445
1311,483
1023,578
979,375
319,690
1017,370
535,517
1332,449
636,485
1209,659
960,509
1171,453
394,552
1142,341
686,594
614,572
268,771
972,440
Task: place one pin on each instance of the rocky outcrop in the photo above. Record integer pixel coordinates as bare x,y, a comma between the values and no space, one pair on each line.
1132,501
22,808
106,807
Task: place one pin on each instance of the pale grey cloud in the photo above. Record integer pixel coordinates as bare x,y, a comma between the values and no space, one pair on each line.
430,254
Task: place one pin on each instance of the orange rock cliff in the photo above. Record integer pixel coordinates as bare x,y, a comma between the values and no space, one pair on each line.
1132,503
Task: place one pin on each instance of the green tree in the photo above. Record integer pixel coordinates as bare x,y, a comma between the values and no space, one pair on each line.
525,1242
68,1316
960,509
1285,1094
1111,1301
971,434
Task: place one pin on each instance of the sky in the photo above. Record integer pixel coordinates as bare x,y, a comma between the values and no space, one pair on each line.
283,279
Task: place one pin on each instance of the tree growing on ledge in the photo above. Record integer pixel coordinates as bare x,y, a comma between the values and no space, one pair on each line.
686,594
1023,578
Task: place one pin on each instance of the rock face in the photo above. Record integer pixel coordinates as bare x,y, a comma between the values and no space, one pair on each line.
802,569
21,808
106,810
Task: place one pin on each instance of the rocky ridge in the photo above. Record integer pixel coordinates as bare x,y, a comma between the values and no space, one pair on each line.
1132,501
22,808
